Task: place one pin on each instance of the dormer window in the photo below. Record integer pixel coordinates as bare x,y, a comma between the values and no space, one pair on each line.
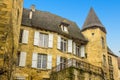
64,26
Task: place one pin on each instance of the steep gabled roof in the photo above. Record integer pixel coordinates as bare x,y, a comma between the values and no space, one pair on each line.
50,22
110,52
92,21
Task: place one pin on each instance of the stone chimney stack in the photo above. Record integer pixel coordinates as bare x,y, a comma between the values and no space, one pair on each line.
32,9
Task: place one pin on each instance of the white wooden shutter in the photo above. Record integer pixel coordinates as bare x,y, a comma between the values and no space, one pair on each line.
82,51
34,60
22,59
25,36
74,48
65,29
50,43
59,42
49,62
36,38
70,46
58,63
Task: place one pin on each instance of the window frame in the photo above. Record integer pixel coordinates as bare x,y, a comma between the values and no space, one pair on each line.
63,45
43,40
64,28
41,62
78,51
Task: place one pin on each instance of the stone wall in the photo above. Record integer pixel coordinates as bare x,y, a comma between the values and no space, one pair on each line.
94,48
10,20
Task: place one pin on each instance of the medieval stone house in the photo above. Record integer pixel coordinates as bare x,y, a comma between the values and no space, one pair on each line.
49,47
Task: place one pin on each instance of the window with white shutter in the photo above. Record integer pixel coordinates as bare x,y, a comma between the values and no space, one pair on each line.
34,60
82,51
59,42
21,58
74,48
63,45
36,38
43,40
64,28
41,61
70,46
23,37
49,62
58,63
50,43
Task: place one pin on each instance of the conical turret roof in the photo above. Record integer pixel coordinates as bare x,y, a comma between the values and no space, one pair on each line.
92,21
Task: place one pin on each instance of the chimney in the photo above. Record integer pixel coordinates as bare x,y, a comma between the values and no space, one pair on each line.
32,9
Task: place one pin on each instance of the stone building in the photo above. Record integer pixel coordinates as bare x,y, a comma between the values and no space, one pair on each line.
44,46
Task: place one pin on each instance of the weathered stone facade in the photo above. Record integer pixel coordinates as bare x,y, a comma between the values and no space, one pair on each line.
10,20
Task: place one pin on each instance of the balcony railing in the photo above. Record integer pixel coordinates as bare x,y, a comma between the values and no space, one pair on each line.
79,65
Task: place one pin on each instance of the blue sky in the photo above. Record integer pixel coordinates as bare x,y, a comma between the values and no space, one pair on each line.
108,12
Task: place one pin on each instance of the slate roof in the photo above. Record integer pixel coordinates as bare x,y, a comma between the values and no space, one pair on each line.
110,52
92,21
47,21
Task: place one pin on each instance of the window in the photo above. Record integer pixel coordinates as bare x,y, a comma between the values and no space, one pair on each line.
18,13
111,74
20,36
43,40
23,37
21,58
42,61
78,50
63,45
18,58
103,42
104,60
110,60
64,28
63,62
20,78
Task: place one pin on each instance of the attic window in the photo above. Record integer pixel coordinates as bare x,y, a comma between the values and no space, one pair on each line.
64,26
